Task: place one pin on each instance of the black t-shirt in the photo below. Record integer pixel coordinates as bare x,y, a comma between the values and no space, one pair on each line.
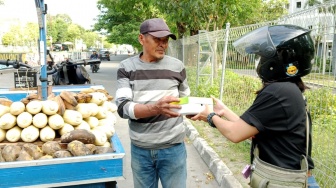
279,114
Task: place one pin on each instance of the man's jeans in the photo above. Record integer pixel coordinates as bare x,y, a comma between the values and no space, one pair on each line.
312,182
169,165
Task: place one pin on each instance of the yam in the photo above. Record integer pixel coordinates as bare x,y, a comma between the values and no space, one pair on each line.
3,109
11,152
102,150
1,158
83,125
2,135
81,135
34,107
65,129
46,157
77,148
51,147
62,154
33,150
24,156
40,120
91,147
17,108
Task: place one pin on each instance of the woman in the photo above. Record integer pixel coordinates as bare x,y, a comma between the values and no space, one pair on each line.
276,121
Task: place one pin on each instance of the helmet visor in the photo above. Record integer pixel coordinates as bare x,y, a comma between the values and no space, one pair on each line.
256,42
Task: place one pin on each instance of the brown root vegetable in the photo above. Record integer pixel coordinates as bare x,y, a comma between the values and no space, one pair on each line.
33,150
62,154
11,152
81,135
6,102
46,157
102,150
1,158
51,147
91,147
24,156
77,148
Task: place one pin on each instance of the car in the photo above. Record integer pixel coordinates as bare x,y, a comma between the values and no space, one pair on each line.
104,55
91,49
60,47
57,47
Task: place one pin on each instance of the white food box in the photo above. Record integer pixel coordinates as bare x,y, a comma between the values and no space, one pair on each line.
193,105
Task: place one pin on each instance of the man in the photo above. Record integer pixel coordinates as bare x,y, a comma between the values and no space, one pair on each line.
147,85
94,55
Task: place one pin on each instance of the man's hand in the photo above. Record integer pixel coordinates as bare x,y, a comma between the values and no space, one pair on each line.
164,106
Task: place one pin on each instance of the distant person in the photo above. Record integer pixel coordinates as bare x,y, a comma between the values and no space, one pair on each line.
146,86
94,55
277,121
50,61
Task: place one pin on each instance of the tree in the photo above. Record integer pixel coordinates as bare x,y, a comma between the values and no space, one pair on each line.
74,31
89,38
311,3
19,35
8,38
121,19
31,33
271,10
191,15
57,27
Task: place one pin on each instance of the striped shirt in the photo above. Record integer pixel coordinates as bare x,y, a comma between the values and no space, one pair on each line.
145,83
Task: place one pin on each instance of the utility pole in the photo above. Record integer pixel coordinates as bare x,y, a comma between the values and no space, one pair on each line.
41,10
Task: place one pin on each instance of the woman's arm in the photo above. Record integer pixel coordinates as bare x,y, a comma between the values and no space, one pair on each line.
232,127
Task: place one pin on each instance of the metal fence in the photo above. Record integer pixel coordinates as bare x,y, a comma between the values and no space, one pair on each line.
212,55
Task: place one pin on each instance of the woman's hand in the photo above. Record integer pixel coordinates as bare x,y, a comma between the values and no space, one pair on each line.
202,115
219,106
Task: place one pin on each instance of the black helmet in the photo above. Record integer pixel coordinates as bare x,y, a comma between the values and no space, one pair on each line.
285,51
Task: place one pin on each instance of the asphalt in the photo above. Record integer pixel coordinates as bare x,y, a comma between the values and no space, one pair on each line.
205,169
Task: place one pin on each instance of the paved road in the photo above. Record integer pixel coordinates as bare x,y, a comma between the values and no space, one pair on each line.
202,161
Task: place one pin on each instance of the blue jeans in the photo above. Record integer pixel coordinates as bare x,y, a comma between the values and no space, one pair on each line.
169,165
312,182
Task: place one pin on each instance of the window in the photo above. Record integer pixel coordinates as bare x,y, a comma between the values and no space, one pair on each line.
298,4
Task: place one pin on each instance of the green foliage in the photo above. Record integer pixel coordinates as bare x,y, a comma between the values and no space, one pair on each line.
59,29
89,38
319,63
121,19
321,101
73,32
17,35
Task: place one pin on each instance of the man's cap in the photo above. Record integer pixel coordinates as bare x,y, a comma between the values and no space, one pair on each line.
156,27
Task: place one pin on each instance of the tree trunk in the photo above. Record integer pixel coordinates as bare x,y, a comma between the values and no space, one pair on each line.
181,29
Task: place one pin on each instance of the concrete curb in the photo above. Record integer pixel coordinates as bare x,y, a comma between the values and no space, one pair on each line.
221,172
